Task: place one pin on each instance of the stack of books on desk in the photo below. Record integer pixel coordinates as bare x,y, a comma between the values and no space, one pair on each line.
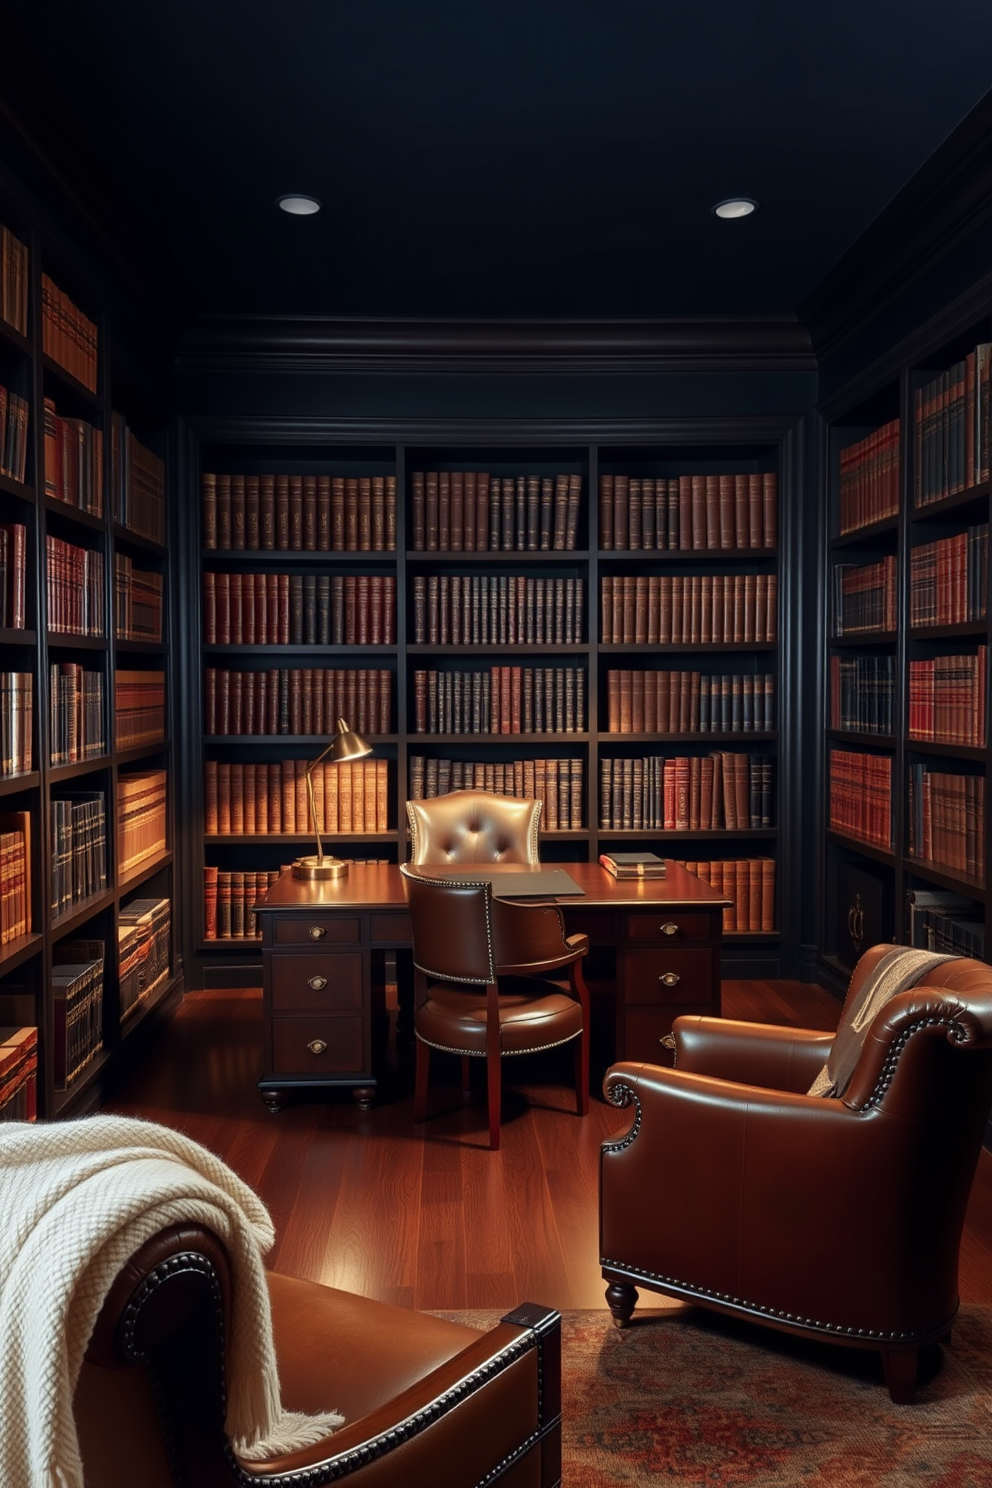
633,865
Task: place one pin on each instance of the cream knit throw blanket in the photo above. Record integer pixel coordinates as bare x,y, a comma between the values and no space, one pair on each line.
77,1199
897,971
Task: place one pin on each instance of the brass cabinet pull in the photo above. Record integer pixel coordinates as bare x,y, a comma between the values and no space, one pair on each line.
317,932
669,979
318,983
669,928
316,1046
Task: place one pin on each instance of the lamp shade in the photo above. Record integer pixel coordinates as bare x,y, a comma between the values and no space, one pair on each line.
343,747
346,745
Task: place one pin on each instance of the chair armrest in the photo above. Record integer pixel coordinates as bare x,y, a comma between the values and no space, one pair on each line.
750,1053
531,938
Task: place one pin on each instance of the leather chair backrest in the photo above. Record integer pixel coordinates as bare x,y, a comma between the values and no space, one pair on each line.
473,826
452,928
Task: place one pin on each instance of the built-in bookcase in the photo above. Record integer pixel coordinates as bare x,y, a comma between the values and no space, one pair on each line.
906,678
87,774
599,620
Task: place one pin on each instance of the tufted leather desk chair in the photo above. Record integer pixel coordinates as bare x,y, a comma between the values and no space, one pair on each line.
474,826
832,1218
425,1401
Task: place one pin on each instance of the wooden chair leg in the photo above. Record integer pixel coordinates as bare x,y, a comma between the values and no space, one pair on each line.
901,1368
420,1081
582,1073
621,1298
493,1080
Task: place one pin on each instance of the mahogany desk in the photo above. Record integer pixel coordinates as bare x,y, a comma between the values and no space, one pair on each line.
655,942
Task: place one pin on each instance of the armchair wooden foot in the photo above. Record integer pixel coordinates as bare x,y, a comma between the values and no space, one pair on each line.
621,1298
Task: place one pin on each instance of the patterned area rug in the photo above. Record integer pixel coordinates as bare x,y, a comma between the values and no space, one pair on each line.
686,1396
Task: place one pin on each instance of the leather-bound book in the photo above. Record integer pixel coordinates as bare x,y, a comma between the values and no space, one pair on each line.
533,541
224,798
520,513
507,516
237,512
253,513
309,513
376,610
296,513
378,514
634,514
767,894
444,511
351,520
481,510
561,514
621,512
389,610
209,701
725,512
337,514
771,614
282,513
640,636
647,515
248,636
711,526
323,513
606,501
469,510
756,511
209,609
742,528
350,610
267,512
431,497
210,901
223,512
390,513
362,610
208,494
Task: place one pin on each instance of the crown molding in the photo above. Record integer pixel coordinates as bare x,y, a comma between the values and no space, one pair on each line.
948,198
355,344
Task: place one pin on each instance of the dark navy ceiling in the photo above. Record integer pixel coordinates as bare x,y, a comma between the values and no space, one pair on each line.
510,157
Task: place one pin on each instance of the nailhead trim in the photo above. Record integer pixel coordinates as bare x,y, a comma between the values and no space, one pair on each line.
503,1053
689,1290
621,1095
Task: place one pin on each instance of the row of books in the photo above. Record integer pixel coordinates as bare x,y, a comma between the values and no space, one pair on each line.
860,796
865,597
15,875
947,699
137,483
869,479
138,602
77,1009
948,579
74,581
720,791
947,820
73,461
951,428
13,575
750,883
501,700
690,702
296,700
139,708
13,281
300,513
251,799
688,512
473,511
77,728
939,920
684,609
861,694
13,434
67,335
228,899
558,783
141,817
257,609
497,610
144,949
79,848
18,1071
16,723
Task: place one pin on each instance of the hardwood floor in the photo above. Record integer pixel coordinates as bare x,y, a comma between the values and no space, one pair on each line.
429,1218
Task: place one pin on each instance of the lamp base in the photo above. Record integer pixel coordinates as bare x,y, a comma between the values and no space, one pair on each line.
314,869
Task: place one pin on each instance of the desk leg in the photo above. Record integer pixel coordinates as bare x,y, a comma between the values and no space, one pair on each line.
363,1096
404,997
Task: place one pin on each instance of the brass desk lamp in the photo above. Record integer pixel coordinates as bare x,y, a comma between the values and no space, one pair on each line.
343,747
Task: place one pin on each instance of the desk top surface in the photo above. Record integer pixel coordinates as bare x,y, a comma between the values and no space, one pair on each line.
379,886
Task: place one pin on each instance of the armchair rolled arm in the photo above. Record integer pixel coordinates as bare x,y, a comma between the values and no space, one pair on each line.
750,1053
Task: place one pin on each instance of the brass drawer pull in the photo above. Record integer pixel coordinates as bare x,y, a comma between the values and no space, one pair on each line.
669,979
669,928
318,983
317,932
316,1046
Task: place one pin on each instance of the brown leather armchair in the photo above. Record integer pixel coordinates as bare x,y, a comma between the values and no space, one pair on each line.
484,984
474,826
837,1219
424,1400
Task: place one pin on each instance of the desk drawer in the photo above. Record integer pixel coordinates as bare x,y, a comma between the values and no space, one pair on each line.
652,927
391,929
319,1047
671,976
315,983
319,930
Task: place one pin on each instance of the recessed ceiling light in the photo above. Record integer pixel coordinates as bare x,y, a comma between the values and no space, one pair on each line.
736,206
299,206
